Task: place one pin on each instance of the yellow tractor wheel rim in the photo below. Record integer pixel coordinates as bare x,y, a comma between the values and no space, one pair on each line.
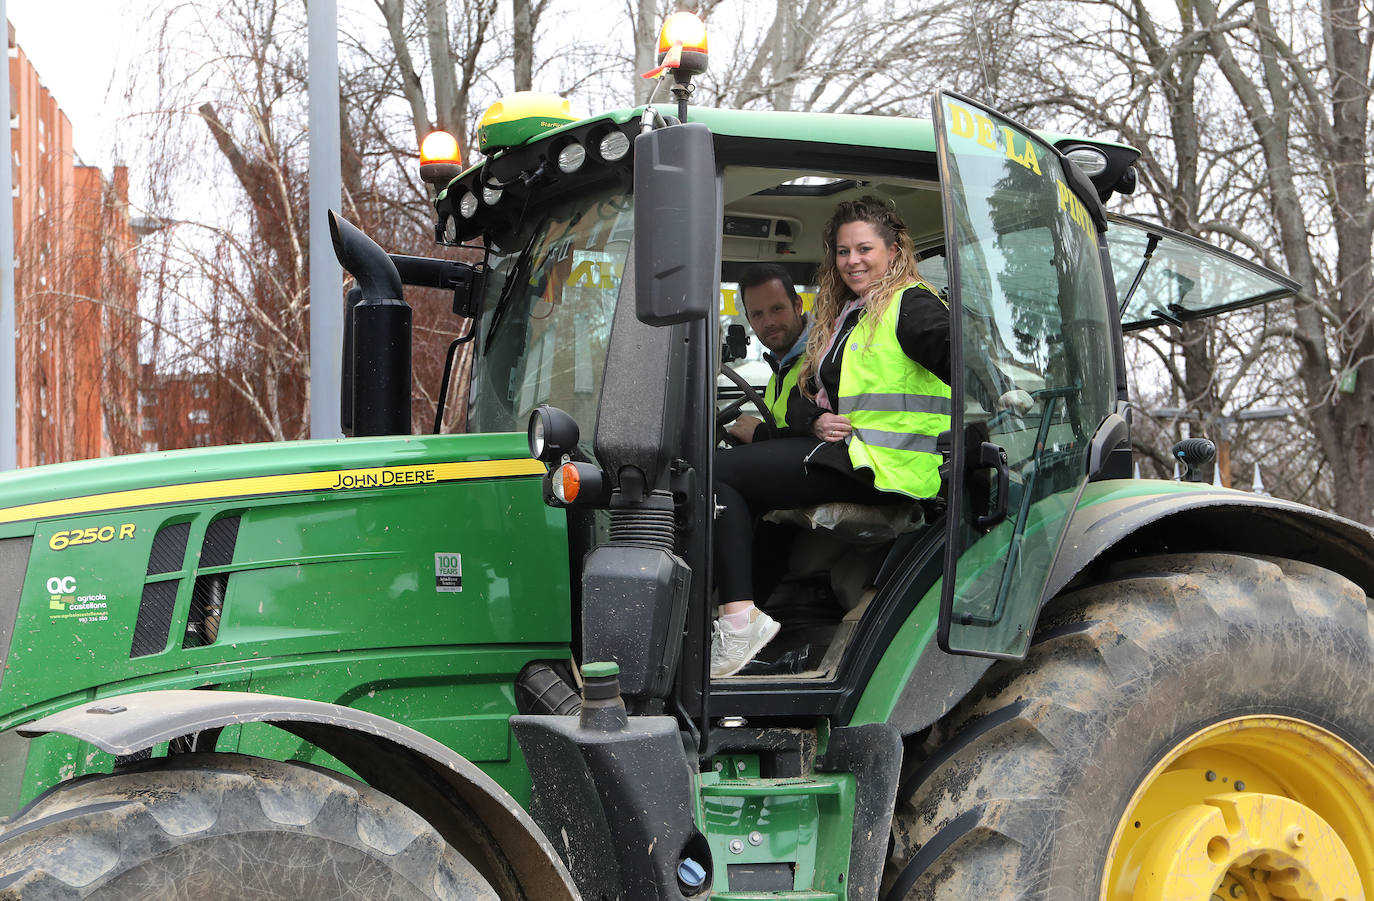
1257,807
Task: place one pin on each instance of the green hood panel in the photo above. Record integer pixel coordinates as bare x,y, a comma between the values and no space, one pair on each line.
410,576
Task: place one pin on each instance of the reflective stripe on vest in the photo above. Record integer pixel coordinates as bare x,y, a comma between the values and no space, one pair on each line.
898,407
775,395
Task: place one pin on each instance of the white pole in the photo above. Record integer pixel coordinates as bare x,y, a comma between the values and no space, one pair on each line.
9,430
326,277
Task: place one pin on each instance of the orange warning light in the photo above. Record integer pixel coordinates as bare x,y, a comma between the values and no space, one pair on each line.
440,147
683,28
681,47
440,159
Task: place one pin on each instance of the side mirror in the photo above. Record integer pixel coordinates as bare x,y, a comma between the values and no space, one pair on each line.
677,225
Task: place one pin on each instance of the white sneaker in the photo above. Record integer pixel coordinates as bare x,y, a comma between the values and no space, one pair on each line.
731,649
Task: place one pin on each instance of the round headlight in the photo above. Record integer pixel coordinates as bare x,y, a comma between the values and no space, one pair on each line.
1091,160
536,435
571,158
450,230
552,434
467,206
491,196
614,146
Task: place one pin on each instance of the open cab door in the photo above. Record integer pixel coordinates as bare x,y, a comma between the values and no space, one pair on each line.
1032,374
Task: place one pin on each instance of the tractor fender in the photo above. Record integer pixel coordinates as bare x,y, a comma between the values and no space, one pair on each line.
1130,518
466,806
1125,518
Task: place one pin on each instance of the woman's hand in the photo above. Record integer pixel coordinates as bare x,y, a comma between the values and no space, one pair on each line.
831,427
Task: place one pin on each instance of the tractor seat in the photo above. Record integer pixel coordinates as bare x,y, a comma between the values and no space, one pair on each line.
847,542
855,523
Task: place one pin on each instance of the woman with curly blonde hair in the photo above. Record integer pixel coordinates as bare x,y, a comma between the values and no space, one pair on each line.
874,398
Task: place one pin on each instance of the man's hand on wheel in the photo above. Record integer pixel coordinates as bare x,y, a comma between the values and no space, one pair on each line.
742,429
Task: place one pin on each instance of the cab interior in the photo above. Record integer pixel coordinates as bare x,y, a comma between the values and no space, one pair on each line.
827,564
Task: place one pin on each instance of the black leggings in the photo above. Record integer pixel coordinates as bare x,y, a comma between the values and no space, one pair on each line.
771,475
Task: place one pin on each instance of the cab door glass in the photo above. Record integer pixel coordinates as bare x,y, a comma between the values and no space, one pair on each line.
1033,365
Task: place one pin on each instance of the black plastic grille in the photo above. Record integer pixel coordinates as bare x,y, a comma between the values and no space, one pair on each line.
207,595
218,549
154,618
207,602
169,549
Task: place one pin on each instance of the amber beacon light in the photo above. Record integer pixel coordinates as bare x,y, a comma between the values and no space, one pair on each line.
440,158
681,47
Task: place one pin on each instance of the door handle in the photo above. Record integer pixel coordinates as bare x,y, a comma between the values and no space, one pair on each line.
994,456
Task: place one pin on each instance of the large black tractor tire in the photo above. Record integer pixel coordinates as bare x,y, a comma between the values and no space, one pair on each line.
219,826
1190,727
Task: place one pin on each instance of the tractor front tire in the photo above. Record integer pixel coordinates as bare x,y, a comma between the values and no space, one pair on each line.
1193,726
211,826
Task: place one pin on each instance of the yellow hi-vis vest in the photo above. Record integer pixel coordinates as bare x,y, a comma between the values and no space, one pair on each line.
898,407
775,394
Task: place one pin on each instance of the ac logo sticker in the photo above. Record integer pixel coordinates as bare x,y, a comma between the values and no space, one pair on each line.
62,585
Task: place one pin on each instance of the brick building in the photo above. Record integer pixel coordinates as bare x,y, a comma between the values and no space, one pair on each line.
76,287
175,409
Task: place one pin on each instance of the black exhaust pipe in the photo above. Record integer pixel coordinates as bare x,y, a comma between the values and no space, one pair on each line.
379,334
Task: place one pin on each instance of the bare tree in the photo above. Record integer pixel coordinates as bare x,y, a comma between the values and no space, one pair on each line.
1309,109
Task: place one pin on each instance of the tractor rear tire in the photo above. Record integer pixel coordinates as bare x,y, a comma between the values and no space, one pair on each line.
1157,716
212,826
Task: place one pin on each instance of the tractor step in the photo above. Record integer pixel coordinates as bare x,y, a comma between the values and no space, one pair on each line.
774,837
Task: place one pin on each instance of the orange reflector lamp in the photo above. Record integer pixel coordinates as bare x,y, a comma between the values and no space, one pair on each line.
567,483
440,158
577,484
681,47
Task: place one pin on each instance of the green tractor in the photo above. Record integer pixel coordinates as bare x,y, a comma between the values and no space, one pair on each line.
476,665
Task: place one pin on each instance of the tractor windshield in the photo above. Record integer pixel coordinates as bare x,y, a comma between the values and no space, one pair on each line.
548,310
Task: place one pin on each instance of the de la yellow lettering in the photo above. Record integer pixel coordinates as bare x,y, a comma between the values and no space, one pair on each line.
1026,159
960,121
985,132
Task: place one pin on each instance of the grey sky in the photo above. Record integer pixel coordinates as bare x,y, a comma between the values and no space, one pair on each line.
79,48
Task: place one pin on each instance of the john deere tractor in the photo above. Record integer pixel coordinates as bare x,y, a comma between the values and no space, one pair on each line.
476,665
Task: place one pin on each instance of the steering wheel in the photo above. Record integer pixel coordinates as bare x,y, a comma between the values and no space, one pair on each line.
730,411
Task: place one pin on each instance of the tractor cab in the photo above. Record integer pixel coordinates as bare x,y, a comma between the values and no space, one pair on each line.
1008,228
